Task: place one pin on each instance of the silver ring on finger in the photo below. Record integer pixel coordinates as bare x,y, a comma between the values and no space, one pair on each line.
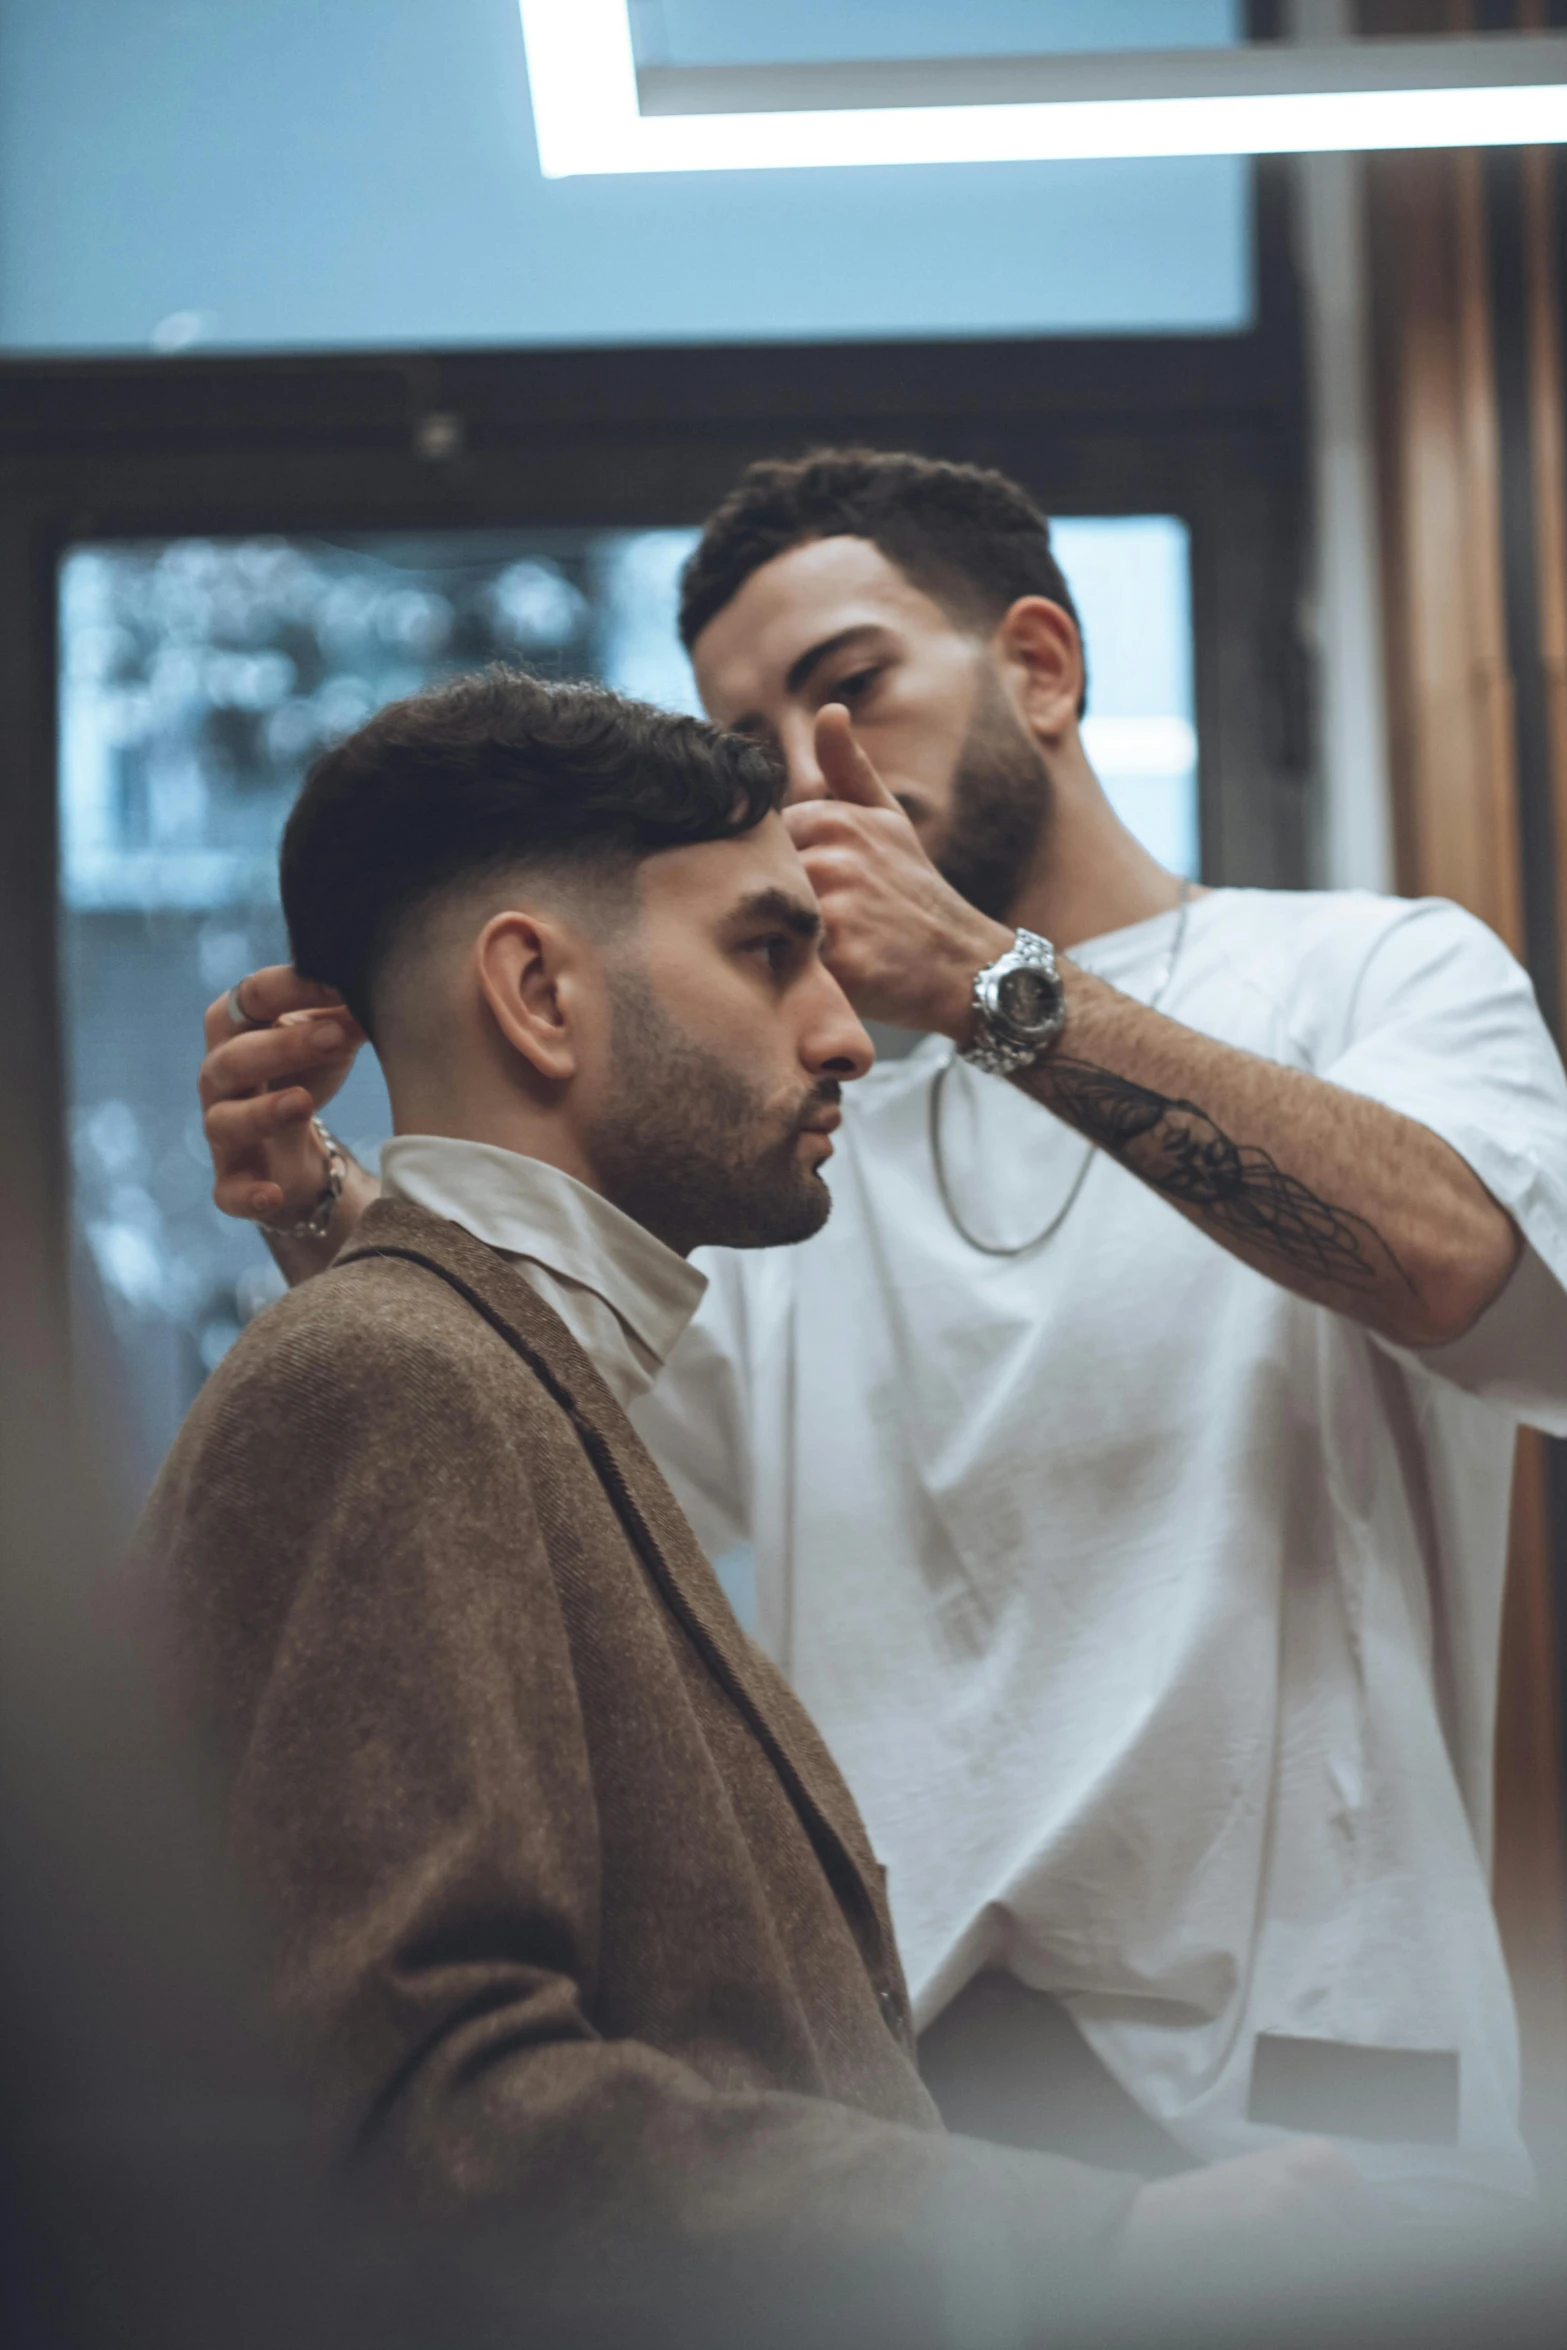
240,1018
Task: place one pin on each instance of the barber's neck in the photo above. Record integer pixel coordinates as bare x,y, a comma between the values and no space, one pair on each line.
1090,875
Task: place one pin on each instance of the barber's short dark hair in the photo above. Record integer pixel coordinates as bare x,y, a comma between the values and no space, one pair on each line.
971,539
485,774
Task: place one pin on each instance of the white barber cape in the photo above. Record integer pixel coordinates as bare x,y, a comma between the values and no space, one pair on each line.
1152,1613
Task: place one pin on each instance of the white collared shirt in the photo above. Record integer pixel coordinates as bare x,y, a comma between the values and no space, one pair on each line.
623,1295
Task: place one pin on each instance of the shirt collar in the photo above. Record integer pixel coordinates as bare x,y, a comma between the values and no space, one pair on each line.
528,1209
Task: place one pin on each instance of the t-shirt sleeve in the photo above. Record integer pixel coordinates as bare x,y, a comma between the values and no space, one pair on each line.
693,1420
1443,1026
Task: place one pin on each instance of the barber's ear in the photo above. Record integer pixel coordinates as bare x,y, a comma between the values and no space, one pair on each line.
1041,654
525,969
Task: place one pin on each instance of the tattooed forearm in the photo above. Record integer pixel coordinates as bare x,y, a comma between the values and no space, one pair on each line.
1237,1190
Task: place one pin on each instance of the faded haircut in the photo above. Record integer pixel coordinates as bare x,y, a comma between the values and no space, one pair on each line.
485,774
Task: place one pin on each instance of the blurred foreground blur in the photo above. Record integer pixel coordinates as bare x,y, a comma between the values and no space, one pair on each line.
159,2183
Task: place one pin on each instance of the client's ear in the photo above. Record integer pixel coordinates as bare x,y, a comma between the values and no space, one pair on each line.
526,967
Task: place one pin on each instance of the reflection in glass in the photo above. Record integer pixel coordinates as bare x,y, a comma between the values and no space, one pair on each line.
199,678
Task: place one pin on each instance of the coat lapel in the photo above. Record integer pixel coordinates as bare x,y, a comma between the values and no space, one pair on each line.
657,1529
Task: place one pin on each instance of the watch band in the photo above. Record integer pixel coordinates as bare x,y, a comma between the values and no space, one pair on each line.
1001,1046
317,1223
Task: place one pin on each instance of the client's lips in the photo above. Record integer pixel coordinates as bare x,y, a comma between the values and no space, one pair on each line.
821,1129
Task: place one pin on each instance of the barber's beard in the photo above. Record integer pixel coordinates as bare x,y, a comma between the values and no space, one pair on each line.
690,1149
1001,799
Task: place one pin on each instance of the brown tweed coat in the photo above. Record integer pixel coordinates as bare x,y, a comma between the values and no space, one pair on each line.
571,1916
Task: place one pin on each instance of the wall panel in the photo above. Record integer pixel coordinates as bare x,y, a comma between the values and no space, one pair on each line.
1469,394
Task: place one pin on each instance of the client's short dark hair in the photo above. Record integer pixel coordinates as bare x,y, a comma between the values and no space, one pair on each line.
971,539
488,773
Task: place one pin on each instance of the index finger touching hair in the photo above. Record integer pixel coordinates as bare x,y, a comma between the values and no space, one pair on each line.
293,1051
265,996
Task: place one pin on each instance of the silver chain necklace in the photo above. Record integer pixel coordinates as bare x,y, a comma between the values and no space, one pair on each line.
989,1248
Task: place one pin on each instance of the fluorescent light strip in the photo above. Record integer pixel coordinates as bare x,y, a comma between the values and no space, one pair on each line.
583,74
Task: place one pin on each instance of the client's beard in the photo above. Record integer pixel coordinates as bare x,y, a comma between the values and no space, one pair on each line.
1000,801
690,1149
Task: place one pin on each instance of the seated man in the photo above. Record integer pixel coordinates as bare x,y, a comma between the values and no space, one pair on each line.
572,1915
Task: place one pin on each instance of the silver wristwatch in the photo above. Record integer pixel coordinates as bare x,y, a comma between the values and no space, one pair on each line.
316,1223
1019,1007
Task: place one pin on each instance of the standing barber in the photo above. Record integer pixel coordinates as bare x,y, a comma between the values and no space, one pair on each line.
1169,1432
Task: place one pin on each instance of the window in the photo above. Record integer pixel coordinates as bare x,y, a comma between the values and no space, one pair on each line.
199,676
1131,578
261,176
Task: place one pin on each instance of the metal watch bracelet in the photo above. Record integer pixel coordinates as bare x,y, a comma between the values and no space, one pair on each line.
998,1045
317,1223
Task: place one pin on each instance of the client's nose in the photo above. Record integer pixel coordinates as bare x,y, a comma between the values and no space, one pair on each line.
838,1045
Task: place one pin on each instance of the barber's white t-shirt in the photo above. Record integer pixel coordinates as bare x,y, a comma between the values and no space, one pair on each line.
1151,1612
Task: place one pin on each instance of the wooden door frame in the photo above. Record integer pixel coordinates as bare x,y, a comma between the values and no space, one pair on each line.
1467,308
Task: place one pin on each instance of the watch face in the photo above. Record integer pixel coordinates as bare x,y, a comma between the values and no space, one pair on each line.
1028,998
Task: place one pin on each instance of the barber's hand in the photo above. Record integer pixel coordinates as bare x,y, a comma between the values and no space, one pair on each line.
261,1086
1286,2208
901,942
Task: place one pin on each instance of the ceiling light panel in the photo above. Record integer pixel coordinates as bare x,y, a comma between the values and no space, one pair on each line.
589,120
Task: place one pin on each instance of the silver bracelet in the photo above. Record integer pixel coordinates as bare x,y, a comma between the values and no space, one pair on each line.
317,1223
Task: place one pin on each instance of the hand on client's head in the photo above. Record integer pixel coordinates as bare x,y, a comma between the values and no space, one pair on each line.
263,1081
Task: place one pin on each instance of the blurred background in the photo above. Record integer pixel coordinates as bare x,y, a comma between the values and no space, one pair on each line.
313,387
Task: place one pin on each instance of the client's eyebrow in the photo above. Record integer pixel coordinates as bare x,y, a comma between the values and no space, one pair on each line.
776,905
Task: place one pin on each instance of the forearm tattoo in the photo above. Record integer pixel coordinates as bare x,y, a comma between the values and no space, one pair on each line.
1237,1189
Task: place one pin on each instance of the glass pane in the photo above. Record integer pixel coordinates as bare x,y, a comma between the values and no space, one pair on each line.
326,174
1131,578
199,677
